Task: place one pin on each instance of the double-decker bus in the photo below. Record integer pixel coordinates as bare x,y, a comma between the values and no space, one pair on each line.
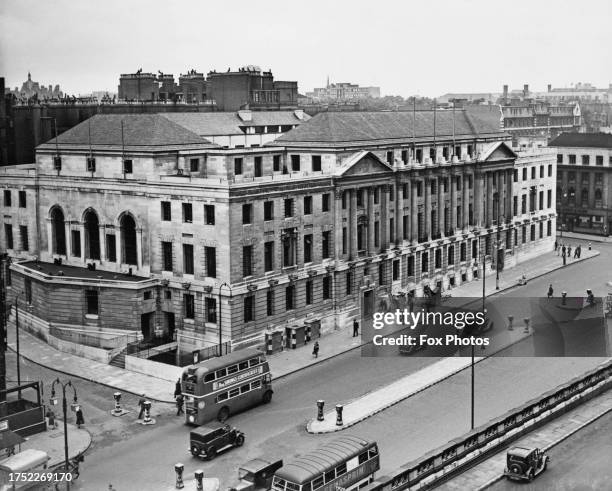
348,463
222,386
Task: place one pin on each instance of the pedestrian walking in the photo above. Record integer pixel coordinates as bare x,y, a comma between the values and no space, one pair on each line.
315,349
355,328
80,420
51,416
179,404
577,252
564,259
569,252
563,250
556,245
141,403
550,290
177,388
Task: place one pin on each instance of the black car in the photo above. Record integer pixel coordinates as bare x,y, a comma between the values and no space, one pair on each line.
207,441
525,463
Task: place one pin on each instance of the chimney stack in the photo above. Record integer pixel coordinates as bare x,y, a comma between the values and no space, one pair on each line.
525,90
505,94
549,87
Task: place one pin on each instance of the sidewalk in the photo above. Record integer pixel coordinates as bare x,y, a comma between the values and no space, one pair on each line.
577,236
281,364
491,470
52,442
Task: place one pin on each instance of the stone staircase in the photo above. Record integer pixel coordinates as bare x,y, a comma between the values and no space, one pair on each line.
119,359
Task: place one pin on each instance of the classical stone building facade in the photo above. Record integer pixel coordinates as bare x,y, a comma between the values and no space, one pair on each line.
145,216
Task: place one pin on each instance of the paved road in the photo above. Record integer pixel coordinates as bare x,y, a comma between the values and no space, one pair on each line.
582,462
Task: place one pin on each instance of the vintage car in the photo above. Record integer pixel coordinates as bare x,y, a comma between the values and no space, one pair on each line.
257,474
207,441
525,463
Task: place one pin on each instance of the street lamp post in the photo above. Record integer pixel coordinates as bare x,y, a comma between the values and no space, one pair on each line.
65,411
221,315
17,342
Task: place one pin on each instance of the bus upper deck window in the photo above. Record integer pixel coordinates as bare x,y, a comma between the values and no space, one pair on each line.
209,377
232,369
341,469
254,361
256,384
221,373
317,483
363,457
330,476
244,365
306,487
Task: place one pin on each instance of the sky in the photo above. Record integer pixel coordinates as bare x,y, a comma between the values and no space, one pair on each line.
405,47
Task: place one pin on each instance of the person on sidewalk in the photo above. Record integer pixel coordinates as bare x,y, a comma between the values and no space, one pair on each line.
556,245
564,259
563,250
141,403
179,404
80,420
569,252
355,328
315,349
177,388
51,416
577,252
550,290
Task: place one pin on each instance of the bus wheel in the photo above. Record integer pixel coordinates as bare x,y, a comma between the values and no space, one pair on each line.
223,414
240,440
267,397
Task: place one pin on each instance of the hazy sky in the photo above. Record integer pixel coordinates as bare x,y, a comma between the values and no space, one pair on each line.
406,47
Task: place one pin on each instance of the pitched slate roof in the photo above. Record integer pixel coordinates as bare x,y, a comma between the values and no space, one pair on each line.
590,140
230,123
386,127
147,132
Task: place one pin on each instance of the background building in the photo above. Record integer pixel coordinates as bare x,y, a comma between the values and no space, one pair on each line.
584,182
343,92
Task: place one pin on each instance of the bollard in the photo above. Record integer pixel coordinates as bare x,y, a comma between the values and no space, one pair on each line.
269,346
510,320
199,476
117,396
526,320
148,420
563,295
339,408
320,404
178,468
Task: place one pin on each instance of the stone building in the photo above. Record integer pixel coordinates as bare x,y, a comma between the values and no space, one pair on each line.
141,224
584,182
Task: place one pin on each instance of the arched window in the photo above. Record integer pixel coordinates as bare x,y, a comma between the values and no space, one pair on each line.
92,235
584,197
58,231
128,239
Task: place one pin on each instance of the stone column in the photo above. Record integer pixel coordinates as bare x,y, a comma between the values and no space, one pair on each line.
139,248
465,206
338,224
478,199
427,212
489,197
441,202
453,203
49,237
82,229
118,234
414,217
103,254
384,223
68,236
353,225
509,197
398,214
370,216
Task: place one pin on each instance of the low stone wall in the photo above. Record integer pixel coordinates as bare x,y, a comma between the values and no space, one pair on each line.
96,354
153,368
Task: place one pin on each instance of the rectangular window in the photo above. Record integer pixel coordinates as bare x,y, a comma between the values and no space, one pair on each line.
541,226
128,167
309,291
344,195
7,197
269,303
524,173
376,195
532,233
194,165
187,213
111,248
391,230
269,256
76,243
307,205
381,274
295,163
391,193
276,163
247,213
211,310
166,211
22,199
288,207
237,166
541,200
533,172
189,306
515,205
325,200
548,228
8,233
247,261
550,170
411,266
249,303
462,252
290,297
268,211
325,244
91,164
91,297
424,262
599,160
188,258
572,159
396,270
211,261
377,234
308,248
360,198
585,160
405,221
23,234
258,171
390,157
349,282
405,156
316,163
549,198
166,256
209,214
559,158
541,171
405,190
451,255
515,175
344,240
326,287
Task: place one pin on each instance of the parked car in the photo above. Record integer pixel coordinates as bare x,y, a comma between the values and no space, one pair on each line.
207,441
525,463
257,474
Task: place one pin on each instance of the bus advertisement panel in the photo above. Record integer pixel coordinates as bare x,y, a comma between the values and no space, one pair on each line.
222,386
